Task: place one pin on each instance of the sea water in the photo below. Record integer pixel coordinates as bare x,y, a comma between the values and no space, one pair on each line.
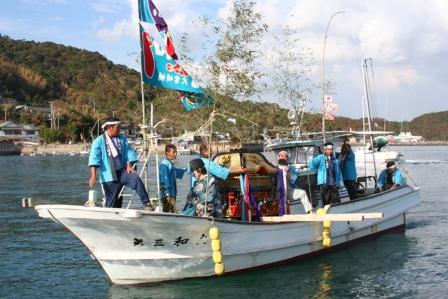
39,259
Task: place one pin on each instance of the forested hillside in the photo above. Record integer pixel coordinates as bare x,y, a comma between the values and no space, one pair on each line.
85,86
432,126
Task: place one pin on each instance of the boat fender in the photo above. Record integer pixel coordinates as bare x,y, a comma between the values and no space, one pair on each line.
217,257
216,245
219,268
214,233
216,250
326,228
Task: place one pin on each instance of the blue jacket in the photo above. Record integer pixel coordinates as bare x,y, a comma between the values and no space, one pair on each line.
348,168
397,178
168,173
320,163
99,157
216,169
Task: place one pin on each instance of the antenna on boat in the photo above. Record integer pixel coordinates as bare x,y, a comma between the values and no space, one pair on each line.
367,105
323,71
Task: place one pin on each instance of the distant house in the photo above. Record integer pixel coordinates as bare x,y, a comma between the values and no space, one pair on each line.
129,131
13,131
188,137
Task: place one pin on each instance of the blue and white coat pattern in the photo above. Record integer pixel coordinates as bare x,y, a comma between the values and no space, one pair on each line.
320,163
168,173
99,157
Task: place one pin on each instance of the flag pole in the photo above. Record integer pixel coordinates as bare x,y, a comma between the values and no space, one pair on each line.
143,126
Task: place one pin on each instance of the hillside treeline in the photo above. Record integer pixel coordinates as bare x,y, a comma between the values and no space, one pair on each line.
85,86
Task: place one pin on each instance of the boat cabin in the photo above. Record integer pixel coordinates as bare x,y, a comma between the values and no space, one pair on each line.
260,191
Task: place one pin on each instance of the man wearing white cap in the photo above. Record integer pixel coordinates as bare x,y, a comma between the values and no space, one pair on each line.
112,154
293,193
390,178
328,174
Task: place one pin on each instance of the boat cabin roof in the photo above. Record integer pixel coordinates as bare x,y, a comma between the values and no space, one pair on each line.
279,144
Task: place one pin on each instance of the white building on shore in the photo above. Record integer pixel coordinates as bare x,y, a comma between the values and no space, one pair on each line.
17,132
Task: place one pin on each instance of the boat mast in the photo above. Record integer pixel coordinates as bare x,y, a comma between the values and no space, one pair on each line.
367,106
323,72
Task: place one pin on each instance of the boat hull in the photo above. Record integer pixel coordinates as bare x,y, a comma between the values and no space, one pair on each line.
136,247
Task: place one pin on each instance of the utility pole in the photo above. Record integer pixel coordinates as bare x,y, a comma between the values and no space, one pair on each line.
93,99
52,116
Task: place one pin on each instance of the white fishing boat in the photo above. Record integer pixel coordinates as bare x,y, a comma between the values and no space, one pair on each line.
135,247
406,138
84,152
381,153
138,247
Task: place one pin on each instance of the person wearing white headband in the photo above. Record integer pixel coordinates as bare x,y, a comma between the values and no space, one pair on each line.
390,178
114,157
328,174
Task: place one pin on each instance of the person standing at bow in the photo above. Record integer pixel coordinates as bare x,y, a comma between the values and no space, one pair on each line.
328,174
114,157
168,173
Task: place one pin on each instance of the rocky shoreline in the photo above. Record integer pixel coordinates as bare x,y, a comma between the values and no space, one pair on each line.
83,148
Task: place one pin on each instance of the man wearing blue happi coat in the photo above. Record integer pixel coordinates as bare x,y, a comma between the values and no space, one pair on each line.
390,178
328,174
114,157
168,173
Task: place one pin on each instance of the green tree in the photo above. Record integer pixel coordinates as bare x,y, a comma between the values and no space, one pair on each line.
49,135
291,73
233,66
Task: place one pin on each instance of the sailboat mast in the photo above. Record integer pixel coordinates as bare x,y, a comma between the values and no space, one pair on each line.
367,97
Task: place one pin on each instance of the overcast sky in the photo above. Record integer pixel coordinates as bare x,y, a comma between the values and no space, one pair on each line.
407,40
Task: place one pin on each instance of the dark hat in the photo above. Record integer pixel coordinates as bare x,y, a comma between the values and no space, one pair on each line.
390,164
282,162
328,145
196,164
